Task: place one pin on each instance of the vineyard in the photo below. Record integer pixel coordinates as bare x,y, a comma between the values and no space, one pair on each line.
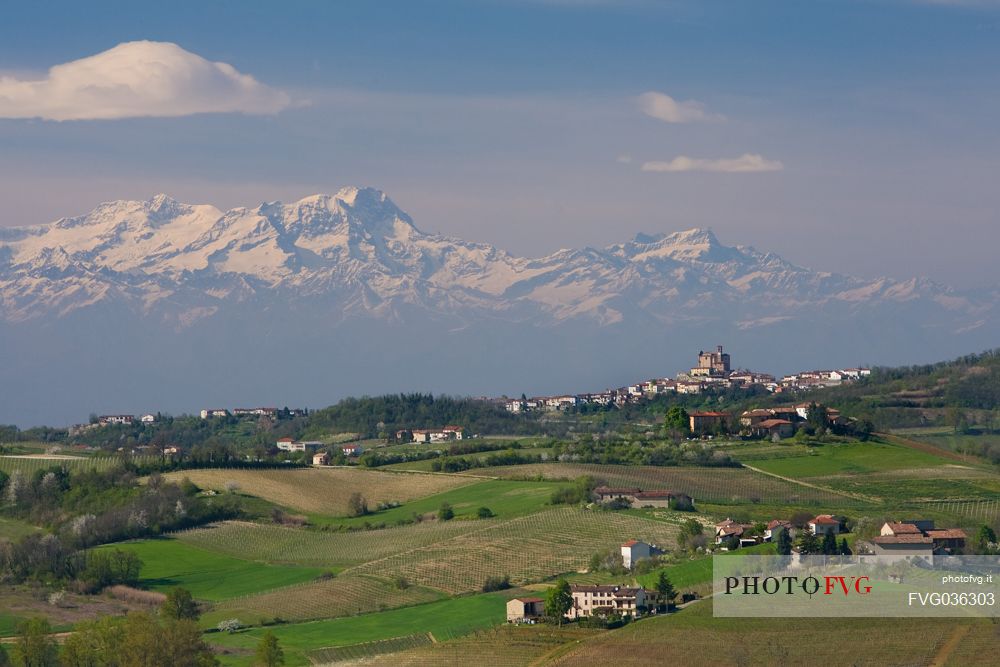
715,485
323,490
29,463
343,595
335,654
530,548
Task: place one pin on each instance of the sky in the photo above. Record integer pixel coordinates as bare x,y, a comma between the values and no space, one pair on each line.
850,136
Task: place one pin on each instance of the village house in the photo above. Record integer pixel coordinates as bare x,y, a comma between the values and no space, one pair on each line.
901,547
633,550
522,610
658,498
701,422
590,600
772,428
148,419
214,412
321,459
775,527
943,540
824,524
123,420
729,529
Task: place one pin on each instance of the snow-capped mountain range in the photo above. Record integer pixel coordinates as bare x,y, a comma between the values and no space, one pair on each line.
183,262
343,294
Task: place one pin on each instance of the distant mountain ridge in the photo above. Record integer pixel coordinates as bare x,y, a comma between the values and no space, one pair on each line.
343,294
162,257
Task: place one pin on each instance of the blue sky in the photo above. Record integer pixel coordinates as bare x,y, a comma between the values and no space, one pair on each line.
520,122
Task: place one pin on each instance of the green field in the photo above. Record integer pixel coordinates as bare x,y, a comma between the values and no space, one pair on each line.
167,563
505,498
850,459
444,619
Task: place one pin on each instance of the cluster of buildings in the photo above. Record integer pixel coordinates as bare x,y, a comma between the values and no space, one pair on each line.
713,371
741,533
778,422
430,435
270,413
917,538
896,540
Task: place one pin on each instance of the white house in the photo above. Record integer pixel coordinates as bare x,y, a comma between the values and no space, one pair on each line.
104,420
824,524
214,412
148,419
633,550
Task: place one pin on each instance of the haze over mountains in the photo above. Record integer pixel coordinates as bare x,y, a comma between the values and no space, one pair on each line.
160,305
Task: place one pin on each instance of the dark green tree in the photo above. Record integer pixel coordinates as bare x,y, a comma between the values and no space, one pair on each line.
844,549
180,605
446,513
829,545
677,420
558,601
485,513
807,542
665,589
269,653
784,542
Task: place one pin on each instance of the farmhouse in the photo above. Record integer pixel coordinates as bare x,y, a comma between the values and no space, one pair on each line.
775,528
944,540
352,450
520,610
900,547
607,493
824,524
769,428
673,499
589,600
321,459
729,529
633,550
700,422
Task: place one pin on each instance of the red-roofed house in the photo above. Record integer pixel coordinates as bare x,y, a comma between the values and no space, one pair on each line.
824,524
706,421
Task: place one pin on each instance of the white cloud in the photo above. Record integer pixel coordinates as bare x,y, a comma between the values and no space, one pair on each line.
138,79
744,164
665,108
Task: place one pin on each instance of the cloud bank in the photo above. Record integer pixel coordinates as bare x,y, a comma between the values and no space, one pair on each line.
663,107
137,79
744,164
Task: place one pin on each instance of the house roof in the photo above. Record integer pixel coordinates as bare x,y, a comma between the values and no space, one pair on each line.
774,523
771,423
902,539
631,543
707,414
946,534
904,529
622,591
825,519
